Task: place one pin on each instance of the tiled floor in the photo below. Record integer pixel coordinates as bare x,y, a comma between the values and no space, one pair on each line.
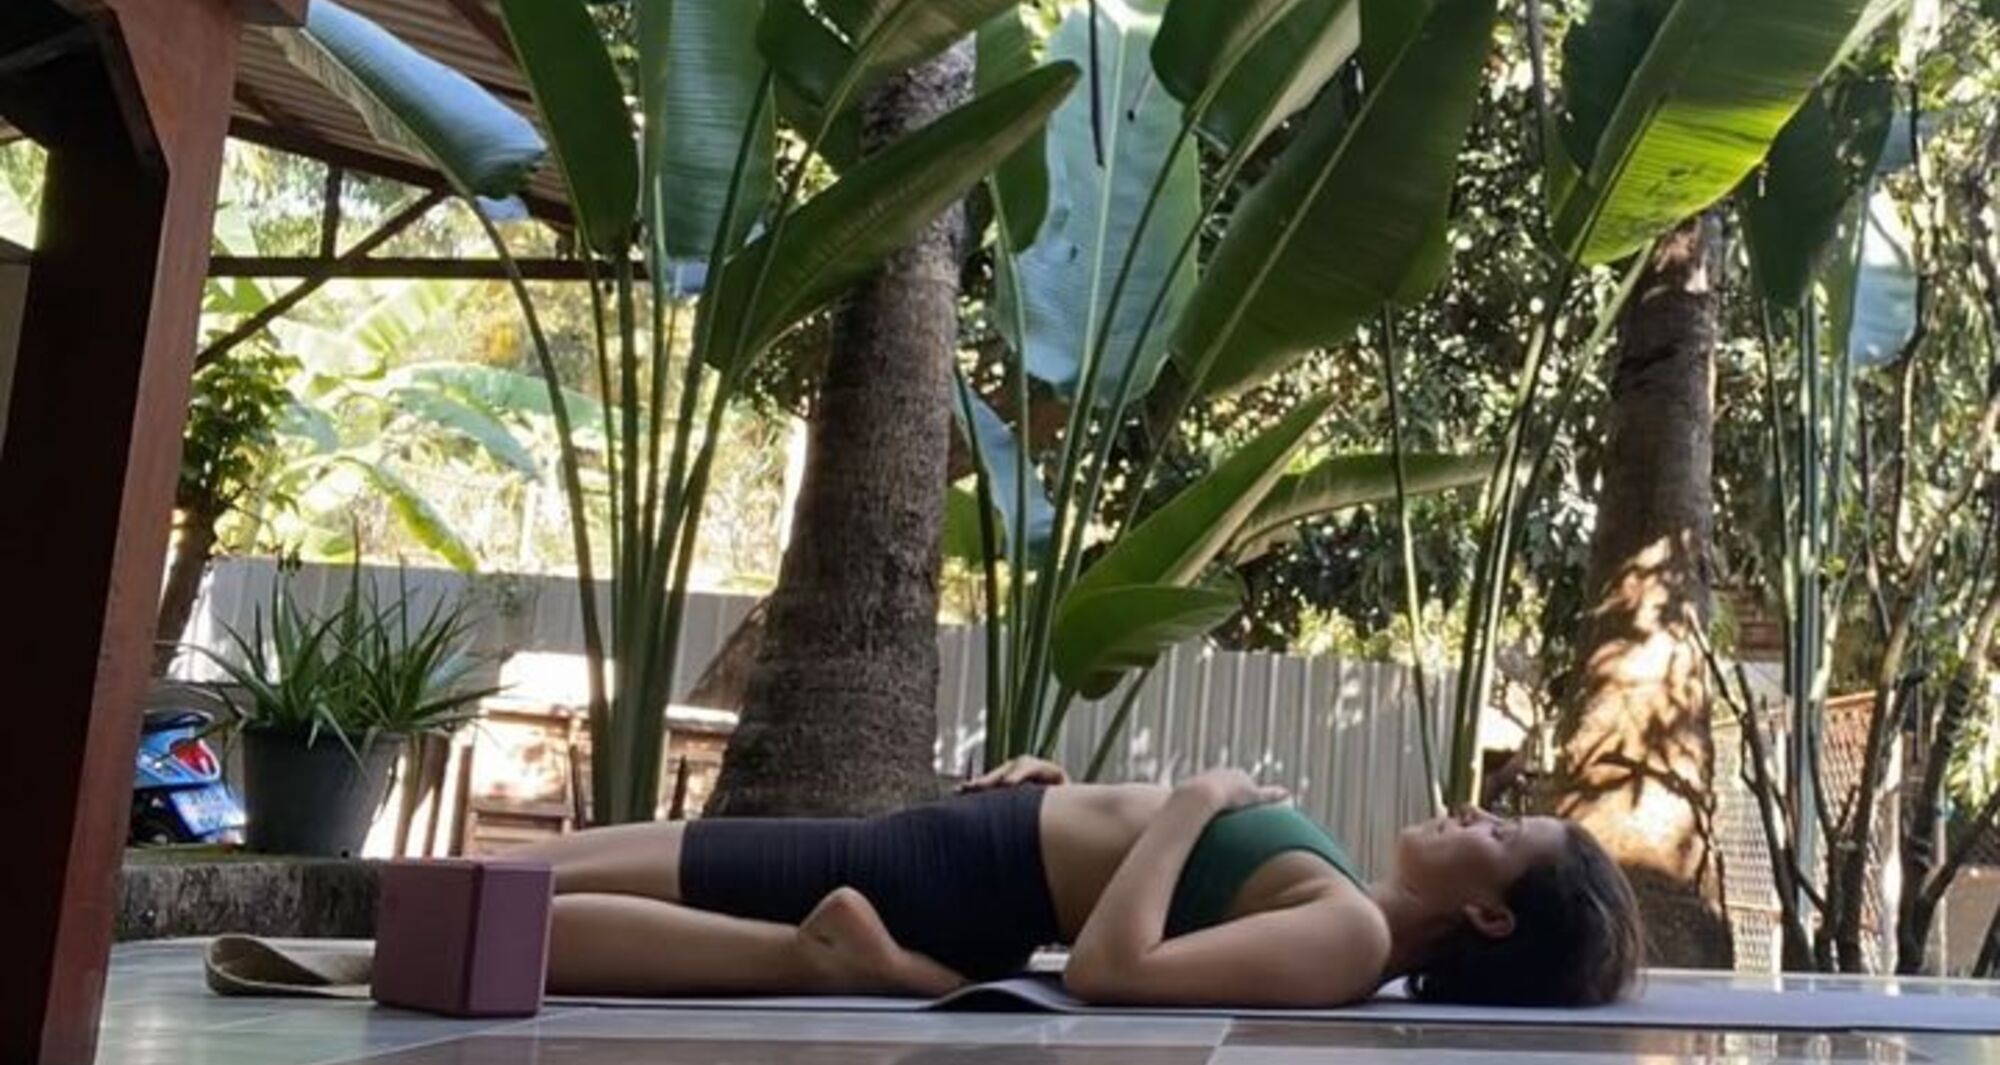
158,1013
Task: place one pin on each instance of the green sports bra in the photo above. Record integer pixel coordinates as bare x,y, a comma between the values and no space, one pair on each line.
1235,845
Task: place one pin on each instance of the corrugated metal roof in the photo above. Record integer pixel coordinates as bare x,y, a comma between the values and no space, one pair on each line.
284,107
295,112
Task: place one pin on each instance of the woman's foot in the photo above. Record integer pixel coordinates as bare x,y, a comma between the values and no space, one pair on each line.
850,950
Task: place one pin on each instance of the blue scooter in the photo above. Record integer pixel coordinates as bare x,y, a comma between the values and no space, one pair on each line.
178,795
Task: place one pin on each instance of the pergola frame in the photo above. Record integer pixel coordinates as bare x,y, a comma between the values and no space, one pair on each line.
134,126
359,261
133,101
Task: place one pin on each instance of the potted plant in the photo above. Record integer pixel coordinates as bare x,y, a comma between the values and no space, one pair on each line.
325,704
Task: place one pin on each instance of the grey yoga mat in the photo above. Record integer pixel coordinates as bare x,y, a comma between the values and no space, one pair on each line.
241,965
1664,1004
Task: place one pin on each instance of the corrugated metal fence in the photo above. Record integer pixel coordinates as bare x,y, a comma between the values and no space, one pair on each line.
1343,736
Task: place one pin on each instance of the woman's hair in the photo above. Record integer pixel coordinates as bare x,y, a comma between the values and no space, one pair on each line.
1576,940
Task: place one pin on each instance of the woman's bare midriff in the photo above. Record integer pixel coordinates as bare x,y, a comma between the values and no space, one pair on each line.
1088,828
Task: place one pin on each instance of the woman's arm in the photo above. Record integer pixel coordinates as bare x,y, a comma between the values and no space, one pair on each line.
1319,953
1311,956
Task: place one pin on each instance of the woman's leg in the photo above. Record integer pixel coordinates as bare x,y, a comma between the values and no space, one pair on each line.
612,944
619,928
638,859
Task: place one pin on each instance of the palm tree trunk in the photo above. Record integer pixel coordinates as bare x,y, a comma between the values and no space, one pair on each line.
1637,761
840,714
193,549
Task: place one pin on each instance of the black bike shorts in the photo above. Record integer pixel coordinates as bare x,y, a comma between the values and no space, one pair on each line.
960,880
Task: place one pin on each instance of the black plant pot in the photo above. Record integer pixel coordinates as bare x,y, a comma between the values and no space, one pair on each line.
313,801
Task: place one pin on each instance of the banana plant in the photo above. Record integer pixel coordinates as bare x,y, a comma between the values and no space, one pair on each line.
1668,106
1347,221
1672,105
1818,219
689,178
350,414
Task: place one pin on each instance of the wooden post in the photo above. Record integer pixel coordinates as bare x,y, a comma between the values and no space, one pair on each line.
99,399
13,290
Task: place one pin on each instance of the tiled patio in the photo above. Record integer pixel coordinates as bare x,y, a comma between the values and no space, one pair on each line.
159,1013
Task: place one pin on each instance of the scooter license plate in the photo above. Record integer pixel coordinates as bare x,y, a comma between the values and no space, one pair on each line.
209,809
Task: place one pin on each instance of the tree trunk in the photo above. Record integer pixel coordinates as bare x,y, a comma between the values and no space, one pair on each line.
192,551
1987,966
840,716
1637,758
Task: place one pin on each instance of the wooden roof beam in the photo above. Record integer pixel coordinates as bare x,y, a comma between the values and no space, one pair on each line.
271,12
318,278
477,15
35,53
405,268
291,138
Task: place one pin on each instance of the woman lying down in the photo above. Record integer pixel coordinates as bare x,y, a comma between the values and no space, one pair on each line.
1214,892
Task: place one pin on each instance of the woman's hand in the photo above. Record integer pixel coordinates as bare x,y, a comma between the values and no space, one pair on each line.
1230,789
1016,772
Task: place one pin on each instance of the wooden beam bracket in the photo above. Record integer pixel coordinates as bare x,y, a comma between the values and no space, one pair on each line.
36,53
317,279
271,12
329,217
405,268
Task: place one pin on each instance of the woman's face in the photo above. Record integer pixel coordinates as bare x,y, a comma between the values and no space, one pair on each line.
1470,857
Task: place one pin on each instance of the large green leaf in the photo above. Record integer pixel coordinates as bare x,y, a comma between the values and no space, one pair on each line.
1346,215
1793,209
699,73
1006,51
311,425
1672,103
810,59
1386,28
581,100
875,209
963,539
808,55
417,515
504,390
456,416
1175,543
1599,56
326,352
1351,481
1287,48
405,317
1802,200
1068,275
1107,633
1874,282
1000,452
415,102
875,39
1874,279
364,345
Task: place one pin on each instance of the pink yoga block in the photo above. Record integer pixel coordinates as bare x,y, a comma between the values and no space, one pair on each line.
463,938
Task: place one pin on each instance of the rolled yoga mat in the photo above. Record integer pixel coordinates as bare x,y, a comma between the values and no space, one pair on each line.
242,966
